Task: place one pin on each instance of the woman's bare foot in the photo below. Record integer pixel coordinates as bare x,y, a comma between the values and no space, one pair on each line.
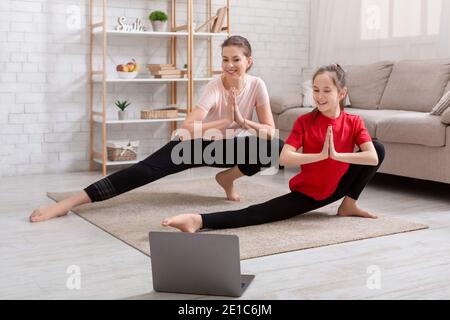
348,208
59,209
48,212
184,222
226,181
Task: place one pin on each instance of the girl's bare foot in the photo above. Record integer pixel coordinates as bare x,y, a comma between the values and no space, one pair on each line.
348,208
184,222
226,181
48,212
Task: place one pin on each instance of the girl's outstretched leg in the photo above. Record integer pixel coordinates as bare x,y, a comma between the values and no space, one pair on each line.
280,208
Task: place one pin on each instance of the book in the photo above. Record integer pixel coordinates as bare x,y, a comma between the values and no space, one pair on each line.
218,23
161,66
165,76
208,24
174,72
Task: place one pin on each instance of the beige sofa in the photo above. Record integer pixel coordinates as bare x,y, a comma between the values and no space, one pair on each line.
394,99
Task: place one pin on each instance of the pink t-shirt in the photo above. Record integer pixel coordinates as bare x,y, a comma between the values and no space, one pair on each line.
214,101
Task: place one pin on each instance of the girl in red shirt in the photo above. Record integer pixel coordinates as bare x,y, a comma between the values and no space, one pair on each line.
331,170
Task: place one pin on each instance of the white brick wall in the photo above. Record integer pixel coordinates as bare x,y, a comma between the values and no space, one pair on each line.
43,82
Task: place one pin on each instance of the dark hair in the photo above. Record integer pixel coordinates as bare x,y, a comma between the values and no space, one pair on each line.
240,42
337,74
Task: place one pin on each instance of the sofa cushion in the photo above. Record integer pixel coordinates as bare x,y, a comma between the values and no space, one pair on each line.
447,89
413,128
286,119
280,104
366,83
373,117
416,85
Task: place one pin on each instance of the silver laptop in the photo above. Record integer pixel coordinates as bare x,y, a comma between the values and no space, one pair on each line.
197,263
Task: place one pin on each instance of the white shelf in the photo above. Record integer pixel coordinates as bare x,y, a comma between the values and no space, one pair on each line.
211,34
131,121
142,80
150,80
161,34
142,33
116,163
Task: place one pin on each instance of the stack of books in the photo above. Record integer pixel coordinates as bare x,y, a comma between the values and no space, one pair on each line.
160,71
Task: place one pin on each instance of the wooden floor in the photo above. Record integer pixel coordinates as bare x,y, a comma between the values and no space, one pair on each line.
35,257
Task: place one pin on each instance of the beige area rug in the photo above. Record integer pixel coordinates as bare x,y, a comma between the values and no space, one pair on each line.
130,217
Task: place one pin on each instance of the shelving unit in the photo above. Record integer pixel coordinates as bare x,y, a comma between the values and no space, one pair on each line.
100,77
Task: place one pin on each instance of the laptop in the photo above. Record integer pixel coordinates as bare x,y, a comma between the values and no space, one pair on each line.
196,263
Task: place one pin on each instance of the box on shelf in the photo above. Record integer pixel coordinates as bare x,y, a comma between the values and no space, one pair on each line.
164,113
122,150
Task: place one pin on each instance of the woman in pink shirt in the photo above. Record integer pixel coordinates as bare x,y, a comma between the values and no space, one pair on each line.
331,170
213,134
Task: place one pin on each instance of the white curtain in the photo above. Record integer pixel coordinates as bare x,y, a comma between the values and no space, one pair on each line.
365,31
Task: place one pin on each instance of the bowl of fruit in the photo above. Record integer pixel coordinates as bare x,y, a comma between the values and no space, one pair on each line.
128,71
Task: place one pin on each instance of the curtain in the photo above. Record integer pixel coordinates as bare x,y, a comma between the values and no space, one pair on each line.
365,31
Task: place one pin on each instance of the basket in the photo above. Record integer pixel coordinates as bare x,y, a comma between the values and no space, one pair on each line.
122,150
167,113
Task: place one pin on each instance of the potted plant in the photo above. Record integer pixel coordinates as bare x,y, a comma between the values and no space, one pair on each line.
184,70
122,105
158,20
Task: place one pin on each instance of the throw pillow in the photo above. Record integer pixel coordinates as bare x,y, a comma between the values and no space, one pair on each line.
366,83
308,100
442,105
416,85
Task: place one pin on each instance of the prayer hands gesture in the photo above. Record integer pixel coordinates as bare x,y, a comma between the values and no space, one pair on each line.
233,113
328,150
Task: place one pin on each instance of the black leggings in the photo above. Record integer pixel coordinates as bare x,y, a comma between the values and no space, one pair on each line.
292,204
230,152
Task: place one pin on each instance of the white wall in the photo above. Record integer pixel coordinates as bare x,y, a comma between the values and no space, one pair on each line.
44,124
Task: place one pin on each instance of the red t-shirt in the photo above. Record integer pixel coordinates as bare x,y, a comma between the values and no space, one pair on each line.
319,180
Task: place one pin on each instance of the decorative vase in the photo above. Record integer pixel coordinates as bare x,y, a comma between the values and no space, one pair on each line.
159,26
123,115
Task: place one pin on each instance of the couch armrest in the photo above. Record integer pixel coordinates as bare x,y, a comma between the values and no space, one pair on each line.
445,117
280,104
